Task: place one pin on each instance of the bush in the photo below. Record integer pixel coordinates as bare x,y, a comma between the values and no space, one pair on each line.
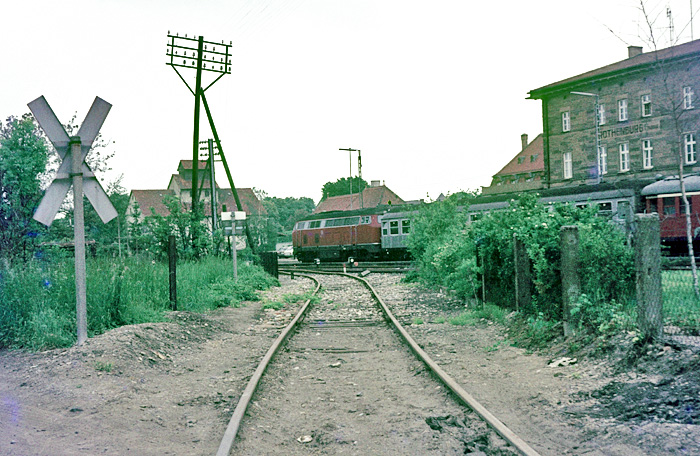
451,254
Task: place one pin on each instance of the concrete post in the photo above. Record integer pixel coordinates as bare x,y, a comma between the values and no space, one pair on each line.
570,280
79,238
172,271
523,275
647,259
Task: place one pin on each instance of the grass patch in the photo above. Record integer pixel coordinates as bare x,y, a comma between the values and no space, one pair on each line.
417,321
37,298
439,320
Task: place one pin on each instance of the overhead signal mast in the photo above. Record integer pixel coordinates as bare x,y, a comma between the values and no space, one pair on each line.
194,52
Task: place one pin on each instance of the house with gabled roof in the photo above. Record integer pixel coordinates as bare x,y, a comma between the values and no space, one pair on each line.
524,172
374,195
143,203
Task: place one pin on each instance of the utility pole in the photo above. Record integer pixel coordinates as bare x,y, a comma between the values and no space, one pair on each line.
212,181
194,52
359,170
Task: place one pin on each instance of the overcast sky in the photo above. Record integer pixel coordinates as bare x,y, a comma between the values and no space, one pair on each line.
433,92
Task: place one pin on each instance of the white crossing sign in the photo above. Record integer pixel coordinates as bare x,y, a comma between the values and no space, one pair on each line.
56,193
74,171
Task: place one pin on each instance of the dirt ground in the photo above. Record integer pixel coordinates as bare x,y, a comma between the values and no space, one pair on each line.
170,388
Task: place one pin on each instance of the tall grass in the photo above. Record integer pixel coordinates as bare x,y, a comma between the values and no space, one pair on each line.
37,299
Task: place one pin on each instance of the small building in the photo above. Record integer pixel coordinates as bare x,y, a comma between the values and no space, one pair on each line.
374,195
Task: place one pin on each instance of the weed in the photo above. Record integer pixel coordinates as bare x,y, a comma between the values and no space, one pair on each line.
103,367
417,321
276,305
439,320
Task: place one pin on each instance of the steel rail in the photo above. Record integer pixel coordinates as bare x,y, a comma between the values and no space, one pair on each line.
235,422
501,429
523,448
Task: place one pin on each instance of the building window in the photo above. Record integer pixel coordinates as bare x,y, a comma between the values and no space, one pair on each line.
646,105
647,153
603,160
568,168
689,147
624,157
622,110
521,160
565,121
533,157
405,226
688,97
601,114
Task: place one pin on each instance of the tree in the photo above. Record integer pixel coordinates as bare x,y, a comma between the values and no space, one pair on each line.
24,158
343,186
682,121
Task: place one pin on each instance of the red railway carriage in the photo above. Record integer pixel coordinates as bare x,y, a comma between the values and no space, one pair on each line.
339,235
664,198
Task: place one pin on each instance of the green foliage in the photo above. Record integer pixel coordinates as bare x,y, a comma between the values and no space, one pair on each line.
446,249
24,157
417,321
290,210
343,186
602,317
37,299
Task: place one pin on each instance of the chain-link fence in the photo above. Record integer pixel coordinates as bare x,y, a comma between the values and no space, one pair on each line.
681,304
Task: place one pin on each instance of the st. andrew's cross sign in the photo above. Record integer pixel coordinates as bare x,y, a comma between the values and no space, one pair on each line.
75,171
58,189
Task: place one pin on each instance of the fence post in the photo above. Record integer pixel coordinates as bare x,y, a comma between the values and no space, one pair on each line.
172,265
647,260
523,276
570,280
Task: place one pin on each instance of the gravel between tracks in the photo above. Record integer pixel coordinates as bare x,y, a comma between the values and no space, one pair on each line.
170,388
345,384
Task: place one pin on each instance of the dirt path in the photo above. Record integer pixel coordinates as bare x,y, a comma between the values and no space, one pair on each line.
152,389
169,388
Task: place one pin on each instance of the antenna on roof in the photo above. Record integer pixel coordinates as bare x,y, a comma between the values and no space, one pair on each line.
670,23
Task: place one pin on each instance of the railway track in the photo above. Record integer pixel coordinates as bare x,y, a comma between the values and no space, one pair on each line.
288,265
346,383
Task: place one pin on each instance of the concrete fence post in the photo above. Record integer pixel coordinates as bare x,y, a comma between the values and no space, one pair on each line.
647,259
523,274
570,280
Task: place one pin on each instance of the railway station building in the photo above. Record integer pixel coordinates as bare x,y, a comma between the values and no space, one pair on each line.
611,131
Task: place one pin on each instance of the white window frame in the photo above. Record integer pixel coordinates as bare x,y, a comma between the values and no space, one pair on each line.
690,150
601,114
568,166
565,121
647,153
624,157
646,105
622,111
688,97
603,160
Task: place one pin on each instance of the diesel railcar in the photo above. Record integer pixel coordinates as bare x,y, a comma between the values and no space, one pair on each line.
360,234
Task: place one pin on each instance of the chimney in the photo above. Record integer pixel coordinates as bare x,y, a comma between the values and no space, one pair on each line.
634,51
375,183
523,140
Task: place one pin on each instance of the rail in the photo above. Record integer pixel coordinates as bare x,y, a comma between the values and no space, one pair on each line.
231,431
